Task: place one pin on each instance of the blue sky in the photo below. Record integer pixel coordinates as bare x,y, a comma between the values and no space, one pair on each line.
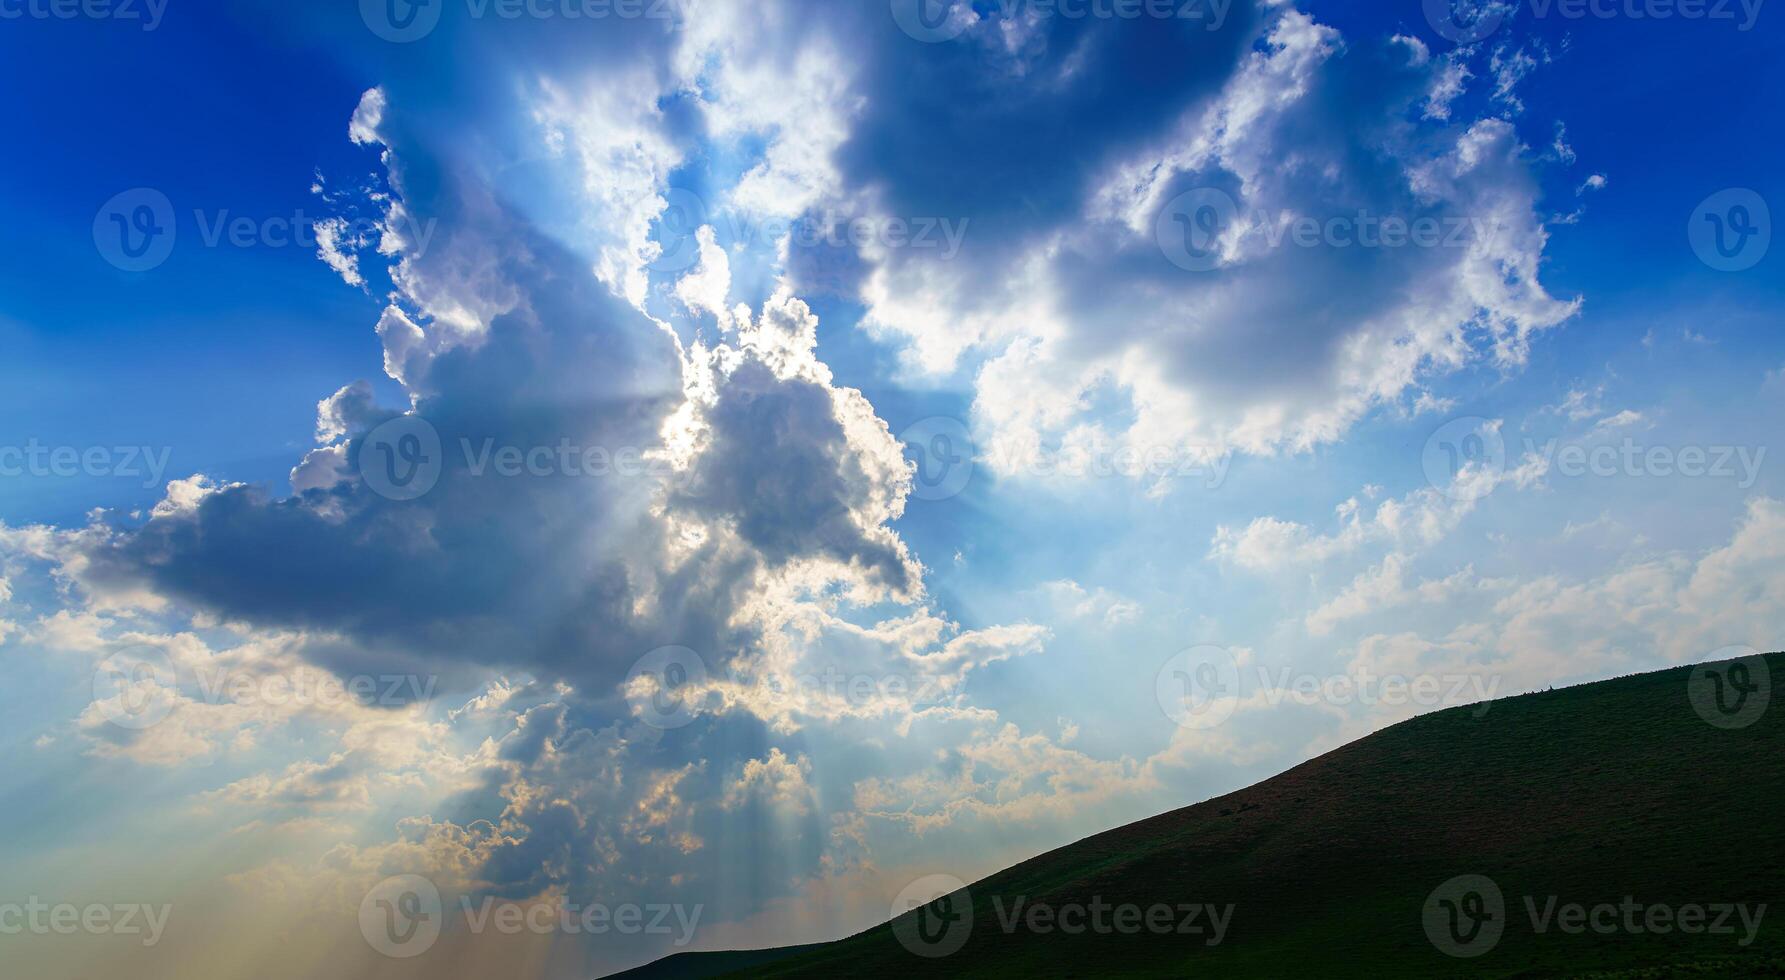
632,236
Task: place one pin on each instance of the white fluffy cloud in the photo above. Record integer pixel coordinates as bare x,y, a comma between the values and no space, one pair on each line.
1279,346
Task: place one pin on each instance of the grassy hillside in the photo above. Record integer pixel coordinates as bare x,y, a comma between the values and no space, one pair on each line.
1585,795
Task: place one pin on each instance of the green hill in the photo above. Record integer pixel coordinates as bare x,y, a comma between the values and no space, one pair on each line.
1616,793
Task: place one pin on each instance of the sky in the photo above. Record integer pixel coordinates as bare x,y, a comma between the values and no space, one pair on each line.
679,472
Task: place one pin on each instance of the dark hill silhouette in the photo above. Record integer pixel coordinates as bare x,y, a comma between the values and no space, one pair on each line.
1588,795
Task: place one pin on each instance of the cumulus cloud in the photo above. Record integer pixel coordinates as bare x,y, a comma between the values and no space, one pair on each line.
778,781
505,342
1384,587
1643,614
367,117
1063,297
1420,518
755,528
